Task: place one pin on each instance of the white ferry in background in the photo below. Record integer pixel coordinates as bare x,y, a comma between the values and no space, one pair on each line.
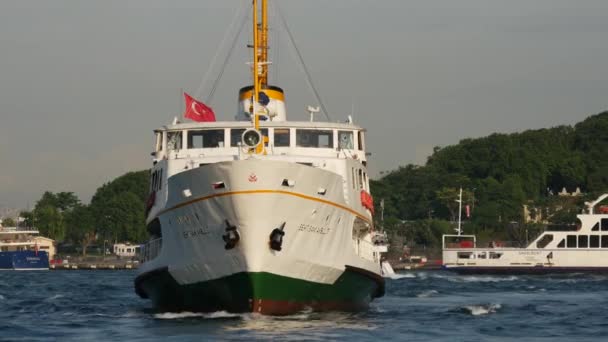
24,249
582,250
260,214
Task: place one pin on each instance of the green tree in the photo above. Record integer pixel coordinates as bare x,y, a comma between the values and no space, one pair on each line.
81,227
8,222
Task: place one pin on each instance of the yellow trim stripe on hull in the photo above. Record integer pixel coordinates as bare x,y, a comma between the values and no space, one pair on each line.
250,192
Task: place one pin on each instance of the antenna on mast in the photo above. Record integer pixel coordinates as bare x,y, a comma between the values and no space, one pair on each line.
312,110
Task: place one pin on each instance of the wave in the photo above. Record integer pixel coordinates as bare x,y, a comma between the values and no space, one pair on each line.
427,294
186,314
57,296
396,276
2,297
479,310
475,279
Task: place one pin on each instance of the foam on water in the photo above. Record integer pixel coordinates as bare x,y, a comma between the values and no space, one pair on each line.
2,297
480,310
186,314
427,294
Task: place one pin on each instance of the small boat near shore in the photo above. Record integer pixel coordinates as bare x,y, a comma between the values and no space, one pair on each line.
584,249
24,249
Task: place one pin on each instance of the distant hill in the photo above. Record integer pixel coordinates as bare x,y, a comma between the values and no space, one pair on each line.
500,173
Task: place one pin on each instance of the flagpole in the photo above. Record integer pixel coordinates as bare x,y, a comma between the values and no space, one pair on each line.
181,101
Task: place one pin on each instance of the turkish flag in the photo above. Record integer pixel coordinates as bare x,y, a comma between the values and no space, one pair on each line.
197,111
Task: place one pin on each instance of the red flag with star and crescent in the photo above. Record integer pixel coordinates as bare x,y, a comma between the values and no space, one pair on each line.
198,111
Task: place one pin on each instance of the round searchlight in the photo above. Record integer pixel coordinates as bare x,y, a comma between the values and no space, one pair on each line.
251,138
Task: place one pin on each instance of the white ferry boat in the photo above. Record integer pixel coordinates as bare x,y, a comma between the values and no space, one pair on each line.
260,214
23,249
583,249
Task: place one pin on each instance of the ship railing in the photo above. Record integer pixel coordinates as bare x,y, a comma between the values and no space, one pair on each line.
151,249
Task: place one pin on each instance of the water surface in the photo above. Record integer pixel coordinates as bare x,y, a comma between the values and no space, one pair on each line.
418,306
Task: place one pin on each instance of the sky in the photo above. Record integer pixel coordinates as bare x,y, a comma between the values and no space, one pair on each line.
84,83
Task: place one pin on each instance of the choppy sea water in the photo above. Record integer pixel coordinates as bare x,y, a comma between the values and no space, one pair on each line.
418,306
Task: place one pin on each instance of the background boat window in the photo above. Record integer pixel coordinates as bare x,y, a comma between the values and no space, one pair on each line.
605,224
315,138
562,244
544,241
571,241
596,227
594,241
346,140
604,241
209,138
174,141
465,255
495,255
281,137
583,241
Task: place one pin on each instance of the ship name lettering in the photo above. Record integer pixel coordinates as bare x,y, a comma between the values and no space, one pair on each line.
313,229
189,234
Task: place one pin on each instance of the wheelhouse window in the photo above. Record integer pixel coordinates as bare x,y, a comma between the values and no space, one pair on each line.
237,133
544,241
571,241
158,146
315,138
360,136
346,140
562,244
604,241
281,137
209,138
596,227
174,141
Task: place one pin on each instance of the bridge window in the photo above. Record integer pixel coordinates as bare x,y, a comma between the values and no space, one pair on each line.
360,136
237,133
281,137
562,244
159,142
174,141
206,138
544,241
346,140
594,241
583,241
596,227
315,138
604,224
571,241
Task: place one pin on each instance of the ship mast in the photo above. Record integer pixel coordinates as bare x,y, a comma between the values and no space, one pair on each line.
261,100
260,55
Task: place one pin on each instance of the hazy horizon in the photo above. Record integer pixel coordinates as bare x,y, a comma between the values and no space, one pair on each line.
84,83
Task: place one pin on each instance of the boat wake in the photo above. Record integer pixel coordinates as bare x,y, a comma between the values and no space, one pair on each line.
186,315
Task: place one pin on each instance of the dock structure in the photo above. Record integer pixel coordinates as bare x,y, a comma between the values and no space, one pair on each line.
115,265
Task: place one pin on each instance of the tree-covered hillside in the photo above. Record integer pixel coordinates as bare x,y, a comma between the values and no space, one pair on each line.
499,174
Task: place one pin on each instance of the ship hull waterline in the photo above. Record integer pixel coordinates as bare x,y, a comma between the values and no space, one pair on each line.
534,270
260,292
